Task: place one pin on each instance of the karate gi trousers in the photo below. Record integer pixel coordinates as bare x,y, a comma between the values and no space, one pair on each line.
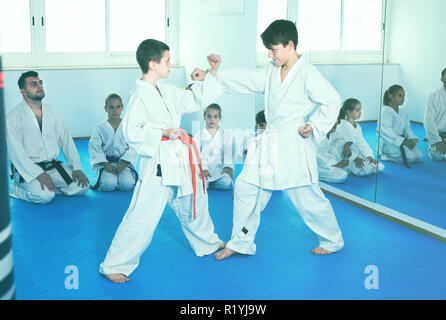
32,191
314,208
136,230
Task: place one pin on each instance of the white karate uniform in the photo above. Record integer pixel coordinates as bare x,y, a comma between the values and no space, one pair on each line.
326,158
435,122
346,132
281,159
147,114
216,154
395,127
27,145
105,142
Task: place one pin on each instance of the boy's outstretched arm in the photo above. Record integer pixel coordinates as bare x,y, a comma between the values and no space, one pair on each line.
214,61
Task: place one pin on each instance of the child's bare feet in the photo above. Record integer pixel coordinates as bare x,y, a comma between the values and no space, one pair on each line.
320,251
223,254
116,277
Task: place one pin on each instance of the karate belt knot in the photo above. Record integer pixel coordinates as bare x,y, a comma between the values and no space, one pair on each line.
187,139
48,165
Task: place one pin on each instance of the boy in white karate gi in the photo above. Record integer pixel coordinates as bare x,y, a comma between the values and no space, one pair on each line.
35,132
330,165
215,146
349,143
284,157
397,140
435,122
166,176
110,154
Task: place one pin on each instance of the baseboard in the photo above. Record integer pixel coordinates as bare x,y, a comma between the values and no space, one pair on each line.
387,213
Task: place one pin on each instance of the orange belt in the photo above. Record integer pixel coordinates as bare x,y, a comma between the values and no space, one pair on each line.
186,139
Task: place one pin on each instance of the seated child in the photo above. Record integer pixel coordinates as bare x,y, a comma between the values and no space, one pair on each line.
110,155
397,141
329,164
259,129
435,122
349,143
215,146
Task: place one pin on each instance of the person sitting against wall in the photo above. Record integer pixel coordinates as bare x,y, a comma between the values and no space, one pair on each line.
35,133
215,146
397,140
435,122
110,154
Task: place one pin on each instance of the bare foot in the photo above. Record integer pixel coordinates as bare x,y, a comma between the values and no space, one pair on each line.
223,244
320,251
116,277
223,254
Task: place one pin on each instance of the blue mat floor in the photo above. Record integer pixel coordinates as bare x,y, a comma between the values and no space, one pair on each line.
417,192
77,231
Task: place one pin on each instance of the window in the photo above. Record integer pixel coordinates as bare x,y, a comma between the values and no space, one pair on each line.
15,17
82,33
333,31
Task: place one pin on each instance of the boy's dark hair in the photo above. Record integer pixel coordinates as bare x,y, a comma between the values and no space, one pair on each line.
260,117
391,91
280,32
349,105
22,79
150,50
443,72
112,96
213,106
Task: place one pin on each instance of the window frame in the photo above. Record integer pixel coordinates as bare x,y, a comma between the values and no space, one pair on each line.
336,56
38,58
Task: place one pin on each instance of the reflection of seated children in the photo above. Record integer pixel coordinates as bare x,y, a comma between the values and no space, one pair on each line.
329,163
349,143
110,154
435,122
215,146
397,141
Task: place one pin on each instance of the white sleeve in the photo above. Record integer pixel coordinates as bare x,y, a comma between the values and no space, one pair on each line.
242,81
430,125
321,92
17,154
67,144
338,139
409,132
387,132
228,157
201,94
364,146
136,128
131,156
97,155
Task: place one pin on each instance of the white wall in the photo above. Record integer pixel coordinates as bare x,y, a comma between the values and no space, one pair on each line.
416,41
414,33
233,37
79,94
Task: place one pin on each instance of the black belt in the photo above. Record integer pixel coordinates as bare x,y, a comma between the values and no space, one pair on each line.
112,159
403,155
14,170
48,165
